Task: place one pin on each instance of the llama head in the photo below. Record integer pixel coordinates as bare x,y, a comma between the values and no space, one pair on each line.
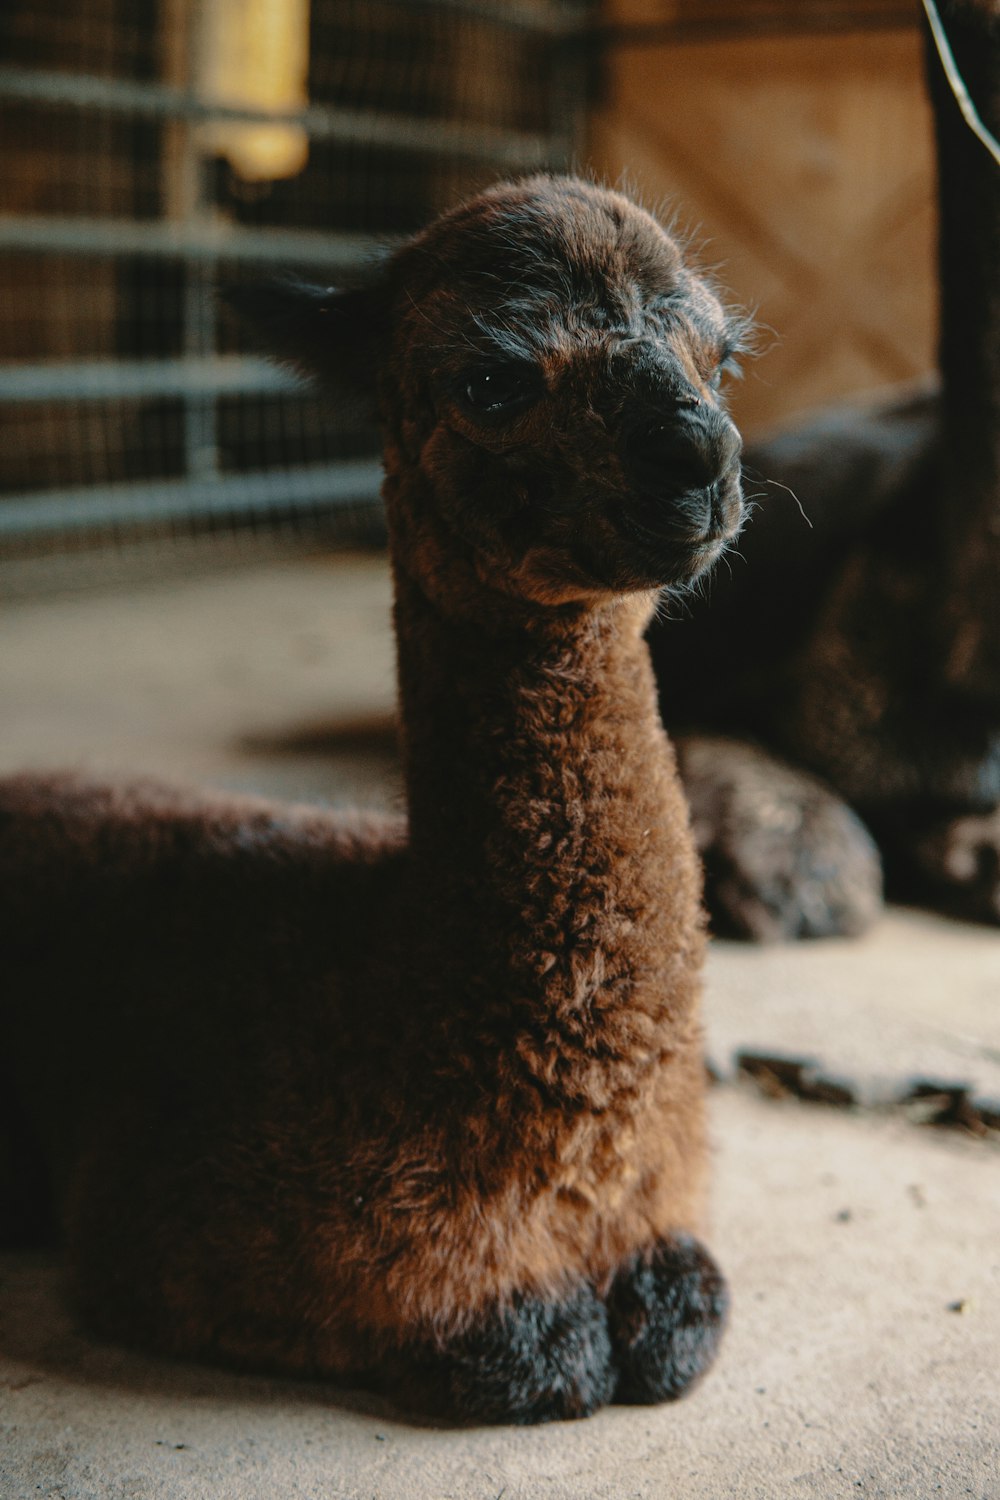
547,370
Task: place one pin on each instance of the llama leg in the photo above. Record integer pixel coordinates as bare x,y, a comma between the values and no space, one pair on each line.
667,1312
533,1361
784,856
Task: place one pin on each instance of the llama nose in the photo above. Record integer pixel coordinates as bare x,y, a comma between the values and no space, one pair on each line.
682,452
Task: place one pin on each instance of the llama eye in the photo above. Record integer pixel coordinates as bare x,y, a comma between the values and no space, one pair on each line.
730,368
498,388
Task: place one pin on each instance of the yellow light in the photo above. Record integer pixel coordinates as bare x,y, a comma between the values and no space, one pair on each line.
255,54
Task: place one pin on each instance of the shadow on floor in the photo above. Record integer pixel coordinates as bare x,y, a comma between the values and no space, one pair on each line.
41,1340
372,735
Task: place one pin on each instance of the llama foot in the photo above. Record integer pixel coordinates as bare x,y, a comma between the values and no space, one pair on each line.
667,1315
958,866
784,857
536,1361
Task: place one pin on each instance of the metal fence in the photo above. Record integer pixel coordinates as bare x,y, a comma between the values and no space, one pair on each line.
152,148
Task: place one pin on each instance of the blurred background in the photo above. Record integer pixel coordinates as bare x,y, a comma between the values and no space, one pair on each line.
193,585
151,148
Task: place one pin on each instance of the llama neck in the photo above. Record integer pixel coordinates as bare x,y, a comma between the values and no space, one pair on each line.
552,871
969,201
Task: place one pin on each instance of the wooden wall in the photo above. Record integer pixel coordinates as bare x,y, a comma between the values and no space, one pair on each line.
802,166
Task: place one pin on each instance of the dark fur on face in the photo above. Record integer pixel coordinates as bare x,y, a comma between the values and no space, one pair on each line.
566,397
552,368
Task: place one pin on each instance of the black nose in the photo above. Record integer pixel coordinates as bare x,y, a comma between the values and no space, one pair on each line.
687,450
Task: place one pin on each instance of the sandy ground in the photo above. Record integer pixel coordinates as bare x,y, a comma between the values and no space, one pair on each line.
863,1246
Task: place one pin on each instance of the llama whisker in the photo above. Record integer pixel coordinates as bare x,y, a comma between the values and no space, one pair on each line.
776,484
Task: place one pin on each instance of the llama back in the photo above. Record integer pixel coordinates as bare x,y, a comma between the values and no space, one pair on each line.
144,933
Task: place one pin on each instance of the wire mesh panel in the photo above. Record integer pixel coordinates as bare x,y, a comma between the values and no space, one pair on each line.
153,148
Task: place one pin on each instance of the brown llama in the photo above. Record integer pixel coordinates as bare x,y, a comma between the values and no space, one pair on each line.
421,1104
867,679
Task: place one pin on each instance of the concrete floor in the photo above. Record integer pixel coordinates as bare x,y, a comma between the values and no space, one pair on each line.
863,1246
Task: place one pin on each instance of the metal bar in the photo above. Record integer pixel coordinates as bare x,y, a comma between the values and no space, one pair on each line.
141,379
554,20
214,240
201,449
190,202
507,148
569,70
137,505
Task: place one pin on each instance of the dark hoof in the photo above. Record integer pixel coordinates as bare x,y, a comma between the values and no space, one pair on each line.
667,1313
534,1362
784,857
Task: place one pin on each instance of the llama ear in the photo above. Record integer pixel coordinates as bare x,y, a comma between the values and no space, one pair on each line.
334,335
